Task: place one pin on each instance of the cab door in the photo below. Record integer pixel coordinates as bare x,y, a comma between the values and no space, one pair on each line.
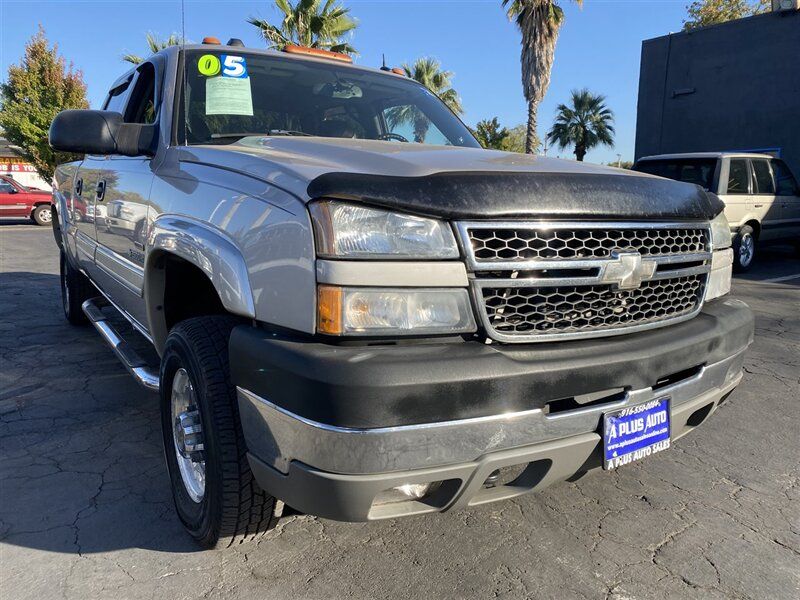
125,191
85,213
788,195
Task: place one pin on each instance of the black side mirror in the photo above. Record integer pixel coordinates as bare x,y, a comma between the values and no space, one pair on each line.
100,132
13,190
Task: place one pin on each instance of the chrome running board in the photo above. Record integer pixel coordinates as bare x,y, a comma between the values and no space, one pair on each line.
143,373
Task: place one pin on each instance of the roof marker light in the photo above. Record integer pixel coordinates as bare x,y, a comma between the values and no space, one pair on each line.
318,52
210,39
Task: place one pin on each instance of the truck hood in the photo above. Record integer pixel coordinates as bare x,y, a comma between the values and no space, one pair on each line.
455,182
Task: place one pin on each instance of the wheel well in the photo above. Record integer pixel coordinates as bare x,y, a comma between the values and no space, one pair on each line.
178,290
756,228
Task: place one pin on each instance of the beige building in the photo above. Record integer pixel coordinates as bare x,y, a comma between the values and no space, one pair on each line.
13,164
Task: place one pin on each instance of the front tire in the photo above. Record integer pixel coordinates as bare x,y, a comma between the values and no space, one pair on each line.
42,214
215,493
744,249
75,290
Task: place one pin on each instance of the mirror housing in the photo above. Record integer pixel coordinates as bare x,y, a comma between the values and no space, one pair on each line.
100,132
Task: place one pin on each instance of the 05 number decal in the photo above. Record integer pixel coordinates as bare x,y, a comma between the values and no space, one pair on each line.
233,66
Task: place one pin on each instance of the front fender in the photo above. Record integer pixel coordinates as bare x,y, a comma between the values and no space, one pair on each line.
210,250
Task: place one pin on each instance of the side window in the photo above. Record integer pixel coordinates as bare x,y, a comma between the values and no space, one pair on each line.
116,98
785,181
6,188
738,177
142,104
763,177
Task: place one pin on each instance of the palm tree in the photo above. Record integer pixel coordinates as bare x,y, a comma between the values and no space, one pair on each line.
154,44
539,21
587,123
310,23
428,72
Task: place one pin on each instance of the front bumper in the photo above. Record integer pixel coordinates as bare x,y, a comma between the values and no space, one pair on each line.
332,469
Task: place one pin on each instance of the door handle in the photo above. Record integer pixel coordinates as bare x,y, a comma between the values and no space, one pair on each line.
79,187
101,190
758,205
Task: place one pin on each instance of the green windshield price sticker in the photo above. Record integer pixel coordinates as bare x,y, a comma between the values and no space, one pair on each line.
229,96
208,65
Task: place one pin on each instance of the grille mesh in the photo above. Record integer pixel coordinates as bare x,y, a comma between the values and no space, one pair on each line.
511,244
575,309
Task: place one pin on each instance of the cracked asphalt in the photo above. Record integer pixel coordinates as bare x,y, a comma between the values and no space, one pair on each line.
86,512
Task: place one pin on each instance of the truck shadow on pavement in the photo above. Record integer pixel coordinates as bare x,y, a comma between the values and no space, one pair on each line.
81,462
82,478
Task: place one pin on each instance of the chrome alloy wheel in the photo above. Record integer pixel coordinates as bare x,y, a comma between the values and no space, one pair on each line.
747,247
46,215
187,434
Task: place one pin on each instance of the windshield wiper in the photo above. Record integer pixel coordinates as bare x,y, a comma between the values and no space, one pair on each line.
288,132
271,132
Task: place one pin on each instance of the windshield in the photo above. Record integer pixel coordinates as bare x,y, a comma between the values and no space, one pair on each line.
230,96
689,170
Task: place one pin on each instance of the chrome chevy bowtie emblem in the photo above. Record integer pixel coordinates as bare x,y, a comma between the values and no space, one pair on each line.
628,270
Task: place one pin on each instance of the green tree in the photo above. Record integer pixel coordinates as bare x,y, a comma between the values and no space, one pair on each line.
702,13
539,21
310,23
36,90
516,139
154,44
585,124
429,73
490,134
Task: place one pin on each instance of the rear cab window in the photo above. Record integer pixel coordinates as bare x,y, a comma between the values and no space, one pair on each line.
700,171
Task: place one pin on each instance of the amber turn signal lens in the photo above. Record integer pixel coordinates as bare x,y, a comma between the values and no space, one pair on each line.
329,309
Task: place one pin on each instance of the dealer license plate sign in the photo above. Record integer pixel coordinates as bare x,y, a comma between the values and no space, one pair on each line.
635,432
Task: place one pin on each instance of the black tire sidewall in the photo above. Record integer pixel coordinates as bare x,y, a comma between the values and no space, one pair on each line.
62,263
202,519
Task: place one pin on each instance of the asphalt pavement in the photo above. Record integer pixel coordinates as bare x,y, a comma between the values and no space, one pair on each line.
86,512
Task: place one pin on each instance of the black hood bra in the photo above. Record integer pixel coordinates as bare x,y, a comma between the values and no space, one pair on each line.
488,195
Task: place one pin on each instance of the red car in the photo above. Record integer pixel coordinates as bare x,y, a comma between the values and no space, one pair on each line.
16,200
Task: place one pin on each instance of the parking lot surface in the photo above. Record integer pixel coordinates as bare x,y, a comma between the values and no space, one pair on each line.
86,512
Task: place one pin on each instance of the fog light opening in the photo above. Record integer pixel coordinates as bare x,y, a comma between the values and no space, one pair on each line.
406,493
505,475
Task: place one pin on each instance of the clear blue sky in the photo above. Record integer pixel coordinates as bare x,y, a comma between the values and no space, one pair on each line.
599,46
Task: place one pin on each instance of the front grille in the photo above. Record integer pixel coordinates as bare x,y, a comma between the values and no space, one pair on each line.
504,244
535,281
574,309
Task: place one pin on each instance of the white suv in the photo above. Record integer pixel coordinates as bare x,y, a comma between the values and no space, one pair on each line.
761,196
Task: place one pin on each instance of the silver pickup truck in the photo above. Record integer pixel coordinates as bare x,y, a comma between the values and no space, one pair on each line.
359,312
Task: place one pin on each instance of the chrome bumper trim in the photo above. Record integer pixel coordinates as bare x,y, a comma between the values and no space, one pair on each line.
277,436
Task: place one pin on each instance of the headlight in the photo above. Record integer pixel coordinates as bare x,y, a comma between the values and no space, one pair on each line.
352,231
719,280
383,311
720,232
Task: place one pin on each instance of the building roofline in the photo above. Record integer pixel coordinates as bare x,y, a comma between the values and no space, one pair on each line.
734,22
